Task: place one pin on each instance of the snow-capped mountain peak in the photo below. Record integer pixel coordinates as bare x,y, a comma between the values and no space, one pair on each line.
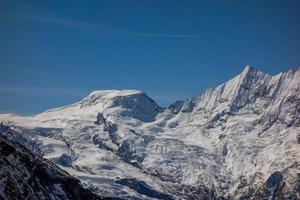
130,103
110,94
229,95
133,104
248,69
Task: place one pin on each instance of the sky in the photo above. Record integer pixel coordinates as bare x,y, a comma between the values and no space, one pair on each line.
54,53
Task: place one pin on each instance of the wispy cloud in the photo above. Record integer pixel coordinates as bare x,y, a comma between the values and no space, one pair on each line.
157,35
45,91
94,28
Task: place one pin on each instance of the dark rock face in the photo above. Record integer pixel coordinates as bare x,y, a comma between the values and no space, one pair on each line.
65,160
100,119
176,107
274,180
224,150
142,188
277,188
298,139
24,175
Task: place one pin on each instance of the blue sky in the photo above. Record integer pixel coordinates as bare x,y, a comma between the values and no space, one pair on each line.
54,53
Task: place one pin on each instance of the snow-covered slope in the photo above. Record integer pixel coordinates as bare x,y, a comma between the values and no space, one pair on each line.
24,175
238,140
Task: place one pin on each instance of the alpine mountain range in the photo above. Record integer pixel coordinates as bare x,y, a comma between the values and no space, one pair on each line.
239,140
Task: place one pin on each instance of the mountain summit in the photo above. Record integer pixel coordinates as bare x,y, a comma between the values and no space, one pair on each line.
239,140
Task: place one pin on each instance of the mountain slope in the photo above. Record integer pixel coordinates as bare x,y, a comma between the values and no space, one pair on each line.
238,140
23,174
